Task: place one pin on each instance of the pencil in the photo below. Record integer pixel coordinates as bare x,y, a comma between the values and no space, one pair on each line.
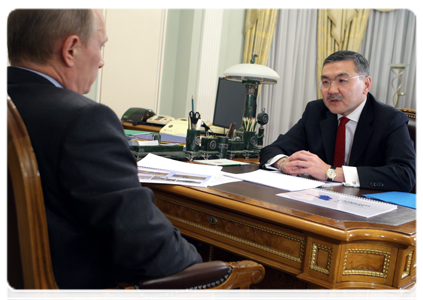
192,103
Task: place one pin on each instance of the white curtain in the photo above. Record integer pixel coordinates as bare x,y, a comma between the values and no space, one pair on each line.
293,56
390,38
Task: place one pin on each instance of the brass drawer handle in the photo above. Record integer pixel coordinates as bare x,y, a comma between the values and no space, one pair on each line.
212,220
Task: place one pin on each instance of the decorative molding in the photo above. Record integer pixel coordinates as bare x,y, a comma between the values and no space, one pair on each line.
386,261
313,261
407,270
298,259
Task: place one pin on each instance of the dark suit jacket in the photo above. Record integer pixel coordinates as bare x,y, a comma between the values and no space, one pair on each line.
103,225
382,149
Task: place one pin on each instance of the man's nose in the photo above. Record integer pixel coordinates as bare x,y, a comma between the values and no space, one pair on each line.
333,87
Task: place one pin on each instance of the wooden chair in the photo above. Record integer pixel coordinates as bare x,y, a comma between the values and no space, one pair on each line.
414,130
29,260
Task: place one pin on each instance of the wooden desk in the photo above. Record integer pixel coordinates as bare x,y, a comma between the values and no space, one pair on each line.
323,247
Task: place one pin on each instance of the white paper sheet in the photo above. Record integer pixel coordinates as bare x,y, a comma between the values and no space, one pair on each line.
277,180
221,162
157,162
342,202
157,169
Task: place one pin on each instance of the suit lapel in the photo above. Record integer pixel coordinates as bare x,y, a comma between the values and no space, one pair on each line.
328,127
363,131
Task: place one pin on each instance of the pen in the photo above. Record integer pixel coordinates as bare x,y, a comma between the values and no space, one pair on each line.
192,102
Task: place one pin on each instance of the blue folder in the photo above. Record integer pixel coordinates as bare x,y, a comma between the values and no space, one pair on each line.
400,198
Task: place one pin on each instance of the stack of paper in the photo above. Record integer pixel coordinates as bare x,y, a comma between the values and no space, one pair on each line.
342,202
157,169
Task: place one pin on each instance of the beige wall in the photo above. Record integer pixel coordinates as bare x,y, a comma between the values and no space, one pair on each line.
132,57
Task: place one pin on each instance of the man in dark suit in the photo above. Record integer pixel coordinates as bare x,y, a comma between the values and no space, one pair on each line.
103,225
378,154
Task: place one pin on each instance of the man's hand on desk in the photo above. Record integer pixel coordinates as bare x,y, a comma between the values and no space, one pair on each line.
303,162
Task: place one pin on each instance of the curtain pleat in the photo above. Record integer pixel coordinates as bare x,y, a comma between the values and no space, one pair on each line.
259,30
293,57
391,39
339,29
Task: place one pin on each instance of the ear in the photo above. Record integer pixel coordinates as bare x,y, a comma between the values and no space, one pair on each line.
69,49
367,84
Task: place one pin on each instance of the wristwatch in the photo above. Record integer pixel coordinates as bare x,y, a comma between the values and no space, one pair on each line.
331,173
281,162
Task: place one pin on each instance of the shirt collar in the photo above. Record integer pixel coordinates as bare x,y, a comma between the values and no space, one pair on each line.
51,79
355,115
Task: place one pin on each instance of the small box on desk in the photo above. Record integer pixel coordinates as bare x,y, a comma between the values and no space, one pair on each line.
208,144
235,145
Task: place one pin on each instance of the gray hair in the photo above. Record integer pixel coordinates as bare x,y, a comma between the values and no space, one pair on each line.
359,60
32,34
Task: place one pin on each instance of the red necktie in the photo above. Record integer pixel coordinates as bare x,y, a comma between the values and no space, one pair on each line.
339,157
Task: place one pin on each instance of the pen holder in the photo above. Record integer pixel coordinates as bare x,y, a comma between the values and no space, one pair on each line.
192,140
249,140
208,144
222,146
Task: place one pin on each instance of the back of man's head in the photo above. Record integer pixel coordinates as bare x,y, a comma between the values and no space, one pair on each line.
343,55
33,35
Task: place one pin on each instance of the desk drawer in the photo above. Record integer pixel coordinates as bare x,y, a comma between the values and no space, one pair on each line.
278,245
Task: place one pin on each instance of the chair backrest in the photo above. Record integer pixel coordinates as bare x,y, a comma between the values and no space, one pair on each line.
414,130
29,260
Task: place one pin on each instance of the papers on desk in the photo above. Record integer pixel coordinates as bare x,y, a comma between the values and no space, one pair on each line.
342,202
148,136
157,169
223,162
277,180
143,143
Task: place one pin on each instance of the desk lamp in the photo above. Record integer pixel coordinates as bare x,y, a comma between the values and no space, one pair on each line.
252,76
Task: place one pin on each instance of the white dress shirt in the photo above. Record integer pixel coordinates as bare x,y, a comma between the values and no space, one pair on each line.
350,173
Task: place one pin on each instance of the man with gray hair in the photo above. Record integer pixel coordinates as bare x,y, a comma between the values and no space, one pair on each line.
348,136
104,227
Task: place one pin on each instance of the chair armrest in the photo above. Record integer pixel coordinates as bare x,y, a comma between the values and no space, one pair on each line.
194,281
207,275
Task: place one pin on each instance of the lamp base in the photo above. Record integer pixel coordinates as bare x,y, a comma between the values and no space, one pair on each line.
250,108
